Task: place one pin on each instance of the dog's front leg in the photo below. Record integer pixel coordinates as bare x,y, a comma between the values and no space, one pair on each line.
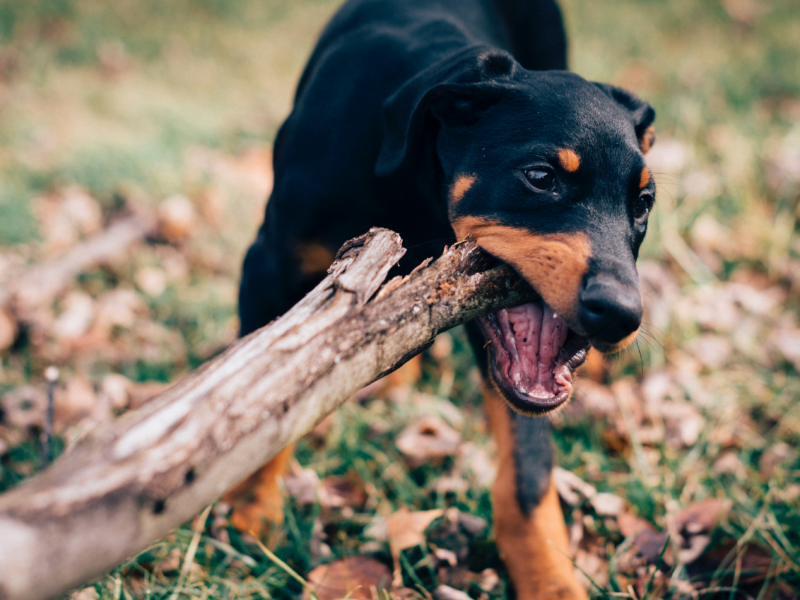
529,525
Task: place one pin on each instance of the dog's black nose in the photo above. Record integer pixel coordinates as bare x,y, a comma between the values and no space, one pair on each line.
609,311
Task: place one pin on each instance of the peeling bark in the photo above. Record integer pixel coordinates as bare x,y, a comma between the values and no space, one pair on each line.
130,482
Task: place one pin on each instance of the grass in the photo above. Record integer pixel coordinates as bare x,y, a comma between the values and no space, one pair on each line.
137,101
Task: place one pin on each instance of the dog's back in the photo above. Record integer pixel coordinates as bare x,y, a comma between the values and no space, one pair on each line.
325,188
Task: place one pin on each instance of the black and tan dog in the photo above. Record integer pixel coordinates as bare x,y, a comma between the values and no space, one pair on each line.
440,119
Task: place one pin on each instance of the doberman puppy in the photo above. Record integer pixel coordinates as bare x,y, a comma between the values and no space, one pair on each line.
441,119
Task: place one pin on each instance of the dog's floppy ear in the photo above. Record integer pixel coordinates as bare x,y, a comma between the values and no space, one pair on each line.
454,91
641,113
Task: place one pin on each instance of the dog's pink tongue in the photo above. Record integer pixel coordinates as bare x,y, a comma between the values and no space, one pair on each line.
534,335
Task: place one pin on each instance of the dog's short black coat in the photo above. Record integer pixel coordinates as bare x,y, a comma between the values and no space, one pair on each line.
425,116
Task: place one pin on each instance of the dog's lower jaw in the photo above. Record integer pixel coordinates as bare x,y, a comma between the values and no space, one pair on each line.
532,356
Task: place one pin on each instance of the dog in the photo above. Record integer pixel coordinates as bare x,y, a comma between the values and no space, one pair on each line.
442,119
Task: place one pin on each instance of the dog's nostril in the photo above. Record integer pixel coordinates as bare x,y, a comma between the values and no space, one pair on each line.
610,312
594,308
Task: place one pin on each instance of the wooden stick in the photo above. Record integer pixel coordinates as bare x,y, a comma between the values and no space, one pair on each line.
130,482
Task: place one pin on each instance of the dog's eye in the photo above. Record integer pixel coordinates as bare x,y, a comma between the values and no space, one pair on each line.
643,206
540,179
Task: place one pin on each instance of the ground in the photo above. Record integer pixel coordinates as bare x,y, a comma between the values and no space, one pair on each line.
680,463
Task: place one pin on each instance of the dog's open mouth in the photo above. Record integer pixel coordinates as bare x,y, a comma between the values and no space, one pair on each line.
533,356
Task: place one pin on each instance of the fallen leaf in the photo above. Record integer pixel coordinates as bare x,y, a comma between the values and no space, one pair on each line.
406,529
590,567
699,517
176,218
446,556
76,317
449,484
151,280
607,505
74,402
24,409
787,342
88,593
356,577
65,216
475,461
631,524
302,484
728,462
339,492
713,351
775,456
650,543
445,592
571,488
172,562
489,580
428,439
115,391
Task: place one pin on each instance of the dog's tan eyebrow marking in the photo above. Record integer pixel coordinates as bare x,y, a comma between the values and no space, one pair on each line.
644,179
569,159
461,186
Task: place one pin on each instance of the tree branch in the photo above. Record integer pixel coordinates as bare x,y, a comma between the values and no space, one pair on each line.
129,483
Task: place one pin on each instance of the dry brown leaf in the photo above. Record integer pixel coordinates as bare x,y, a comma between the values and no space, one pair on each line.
631,524
428,439
151,280
23,409
713,351
449,484
88,593
302,484
699,517
729,462
338,492
475,461
74,402
775,456
406,529
787,342
591,565
571,488
356,577
115,391
66,216
76,317
176,218
445,592
607,505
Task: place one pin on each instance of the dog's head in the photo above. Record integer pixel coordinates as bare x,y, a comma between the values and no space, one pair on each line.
546,171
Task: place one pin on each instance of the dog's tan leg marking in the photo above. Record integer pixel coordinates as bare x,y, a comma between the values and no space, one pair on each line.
257,502
533,546
314,258
554,263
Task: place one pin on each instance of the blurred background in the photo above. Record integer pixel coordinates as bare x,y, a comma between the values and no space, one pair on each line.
135,141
